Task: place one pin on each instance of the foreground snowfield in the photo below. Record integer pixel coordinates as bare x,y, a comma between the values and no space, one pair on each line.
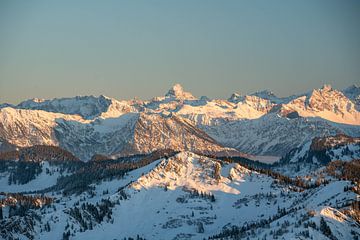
188,196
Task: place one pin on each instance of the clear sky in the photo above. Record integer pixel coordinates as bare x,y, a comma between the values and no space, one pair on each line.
124,49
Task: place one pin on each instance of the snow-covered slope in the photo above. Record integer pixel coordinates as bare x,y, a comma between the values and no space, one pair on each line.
189,196
273,134
30,127
325,149
45,179
134,133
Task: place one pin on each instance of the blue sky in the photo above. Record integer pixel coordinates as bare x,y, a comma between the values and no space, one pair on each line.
125,49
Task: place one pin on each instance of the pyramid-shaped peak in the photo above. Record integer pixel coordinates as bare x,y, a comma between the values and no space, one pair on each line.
178,92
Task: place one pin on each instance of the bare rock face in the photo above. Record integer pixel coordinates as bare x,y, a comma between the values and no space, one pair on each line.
154,132
28,127
272,134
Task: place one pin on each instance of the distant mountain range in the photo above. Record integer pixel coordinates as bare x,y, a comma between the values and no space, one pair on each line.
258,124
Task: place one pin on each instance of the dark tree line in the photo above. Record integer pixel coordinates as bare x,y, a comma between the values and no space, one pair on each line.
29,159
87,215
280,178
19,204
24,172
236,232
345,170
96,171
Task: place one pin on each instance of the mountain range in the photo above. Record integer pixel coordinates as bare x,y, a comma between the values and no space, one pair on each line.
177,167
257,124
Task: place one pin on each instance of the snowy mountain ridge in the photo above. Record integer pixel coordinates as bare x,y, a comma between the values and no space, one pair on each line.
259,123
326,103
131,133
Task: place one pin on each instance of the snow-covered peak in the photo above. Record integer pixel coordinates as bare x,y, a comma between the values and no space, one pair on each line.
86,106
235,97
327,103
191,172
24,127
326,88
269,95
329,99
178,92
265,94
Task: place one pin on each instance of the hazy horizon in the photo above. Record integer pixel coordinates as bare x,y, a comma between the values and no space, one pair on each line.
126,49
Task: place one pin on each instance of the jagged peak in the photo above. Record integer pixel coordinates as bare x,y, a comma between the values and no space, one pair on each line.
178,92
265,94
326,87
192,171
325,90
235,97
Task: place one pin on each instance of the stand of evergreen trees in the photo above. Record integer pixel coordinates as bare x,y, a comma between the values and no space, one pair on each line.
87,215
236,232
96,171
